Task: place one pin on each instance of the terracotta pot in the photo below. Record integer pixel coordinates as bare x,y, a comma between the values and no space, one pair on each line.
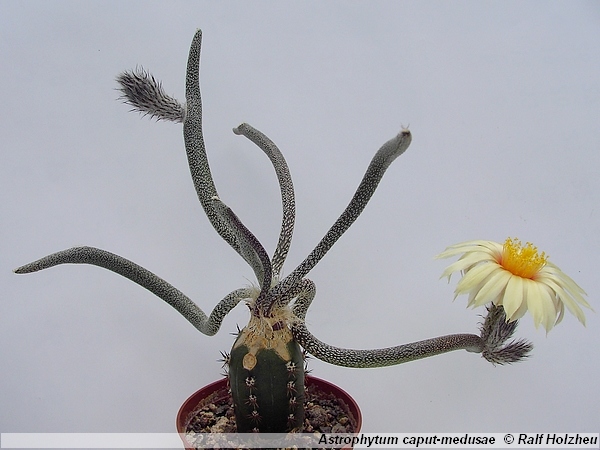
218,390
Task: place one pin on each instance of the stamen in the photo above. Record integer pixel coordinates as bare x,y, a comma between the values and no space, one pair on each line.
523,261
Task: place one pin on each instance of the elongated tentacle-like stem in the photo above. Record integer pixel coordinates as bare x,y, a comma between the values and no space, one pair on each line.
115,263
304,298
146,95
287,192
302,293
251,248
379,164
385,356
495,332
196,150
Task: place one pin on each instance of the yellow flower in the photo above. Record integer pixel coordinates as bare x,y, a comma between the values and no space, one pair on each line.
516,277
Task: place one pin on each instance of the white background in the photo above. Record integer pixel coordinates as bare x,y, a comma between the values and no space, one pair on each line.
503,101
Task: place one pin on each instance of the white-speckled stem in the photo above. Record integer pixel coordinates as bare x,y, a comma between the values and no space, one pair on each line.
196,152
250,247
379,164
174,297
384,356
495,331
304,298
376,357
301,293
287,192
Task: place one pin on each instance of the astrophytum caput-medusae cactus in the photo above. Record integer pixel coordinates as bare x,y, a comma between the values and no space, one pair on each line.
266,364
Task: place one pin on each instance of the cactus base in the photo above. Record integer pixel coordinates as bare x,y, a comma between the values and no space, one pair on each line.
266,377
217,393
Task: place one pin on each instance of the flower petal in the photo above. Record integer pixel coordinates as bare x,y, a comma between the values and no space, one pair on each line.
519,313
535,303
465,263
564,297
470,246
548,309
492,289
566,281
513,296
560,308
474,277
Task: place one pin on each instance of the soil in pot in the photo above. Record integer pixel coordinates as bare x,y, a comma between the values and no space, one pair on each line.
325,411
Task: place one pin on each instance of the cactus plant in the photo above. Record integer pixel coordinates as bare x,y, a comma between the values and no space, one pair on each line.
266,363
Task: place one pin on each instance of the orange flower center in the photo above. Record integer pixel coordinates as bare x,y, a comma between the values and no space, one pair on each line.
520,260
